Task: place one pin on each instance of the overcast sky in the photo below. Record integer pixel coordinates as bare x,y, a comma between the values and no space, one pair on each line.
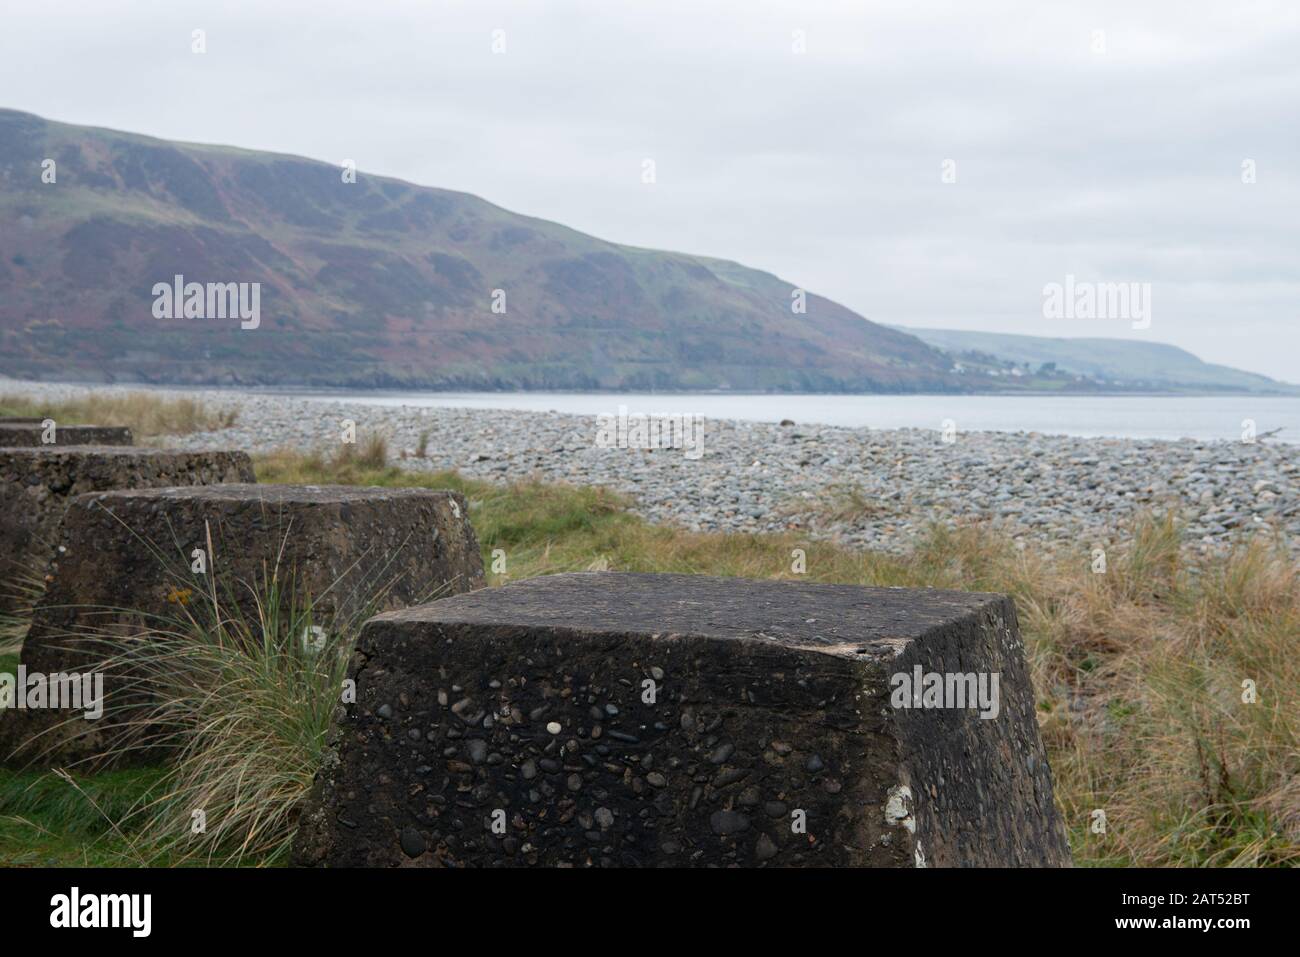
1112,157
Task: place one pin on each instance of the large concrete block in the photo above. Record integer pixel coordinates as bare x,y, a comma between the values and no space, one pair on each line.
671,720
126,558
25,434
37,484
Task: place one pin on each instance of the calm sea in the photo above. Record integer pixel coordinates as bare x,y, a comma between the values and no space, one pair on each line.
1157,417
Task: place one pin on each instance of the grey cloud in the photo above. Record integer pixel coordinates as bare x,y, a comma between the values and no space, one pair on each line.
822,168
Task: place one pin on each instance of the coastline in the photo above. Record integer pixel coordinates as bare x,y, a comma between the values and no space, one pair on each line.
11,384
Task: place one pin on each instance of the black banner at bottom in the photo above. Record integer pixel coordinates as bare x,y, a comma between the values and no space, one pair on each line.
340,908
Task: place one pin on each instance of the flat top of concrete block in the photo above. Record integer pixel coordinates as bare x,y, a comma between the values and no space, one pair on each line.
33,434
120,451
797,614
25,425
273,494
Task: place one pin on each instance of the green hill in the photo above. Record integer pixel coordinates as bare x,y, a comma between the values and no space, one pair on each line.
380,283
1121,363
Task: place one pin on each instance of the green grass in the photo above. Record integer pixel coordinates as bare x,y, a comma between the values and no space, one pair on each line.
1137,671
47,820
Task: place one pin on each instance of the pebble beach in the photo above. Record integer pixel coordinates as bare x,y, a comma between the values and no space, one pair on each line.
864,488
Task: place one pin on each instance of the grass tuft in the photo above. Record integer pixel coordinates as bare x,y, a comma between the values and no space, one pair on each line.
244,704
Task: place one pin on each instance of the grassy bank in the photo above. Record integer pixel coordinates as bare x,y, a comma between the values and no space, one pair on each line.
1140,671
145,414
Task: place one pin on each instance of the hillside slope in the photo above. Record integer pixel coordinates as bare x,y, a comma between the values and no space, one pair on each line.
380,283
1126,363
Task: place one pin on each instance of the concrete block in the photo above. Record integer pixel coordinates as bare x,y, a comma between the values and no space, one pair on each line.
126,560
606,719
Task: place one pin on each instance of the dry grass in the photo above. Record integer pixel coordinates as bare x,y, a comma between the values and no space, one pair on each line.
1139,674
143,413
350,464
22,589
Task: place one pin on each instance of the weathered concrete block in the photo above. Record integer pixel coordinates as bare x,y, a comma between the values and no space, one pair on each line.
30,434
671,720
125,557
37,484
